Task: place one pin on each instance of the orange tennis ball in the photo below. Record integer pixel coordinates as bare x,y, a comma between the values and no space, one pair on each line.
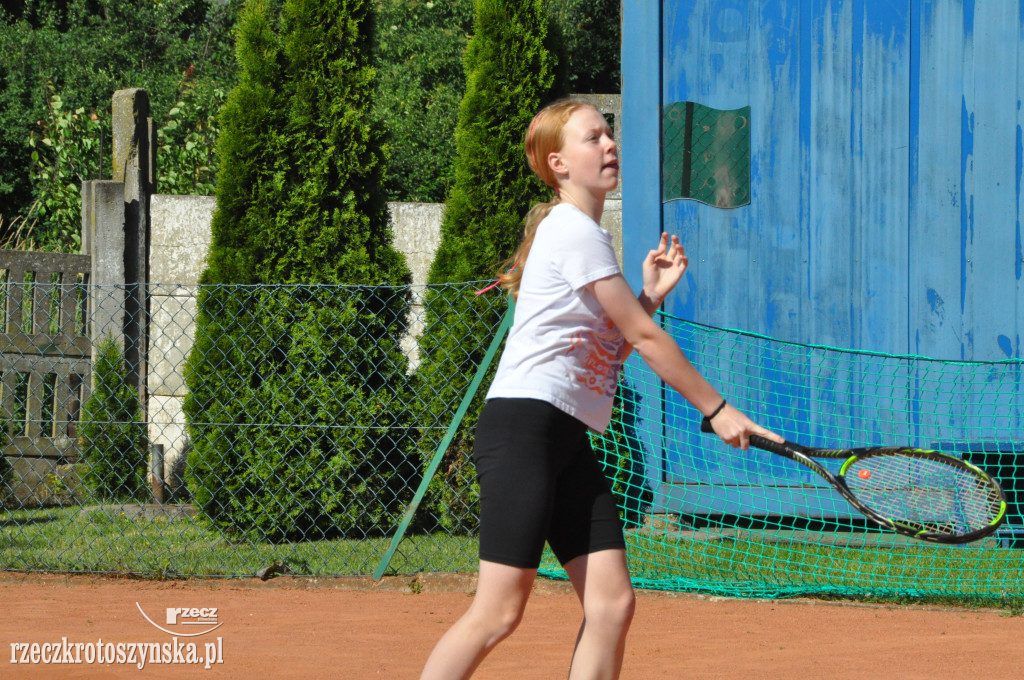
864,474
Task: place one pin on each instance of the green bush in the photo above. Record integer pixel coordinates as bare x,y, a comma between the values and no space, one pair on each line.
300,204
509,75
418,46
82,51
589,36
186,153
65,151
114,442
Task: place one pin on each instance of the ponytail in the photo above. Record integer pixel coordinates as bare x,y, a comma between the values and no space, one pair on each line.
513,266
543,137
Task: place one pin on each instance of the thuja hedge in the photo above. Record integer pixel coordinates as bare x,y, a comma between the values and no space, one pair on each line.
510,73
294,389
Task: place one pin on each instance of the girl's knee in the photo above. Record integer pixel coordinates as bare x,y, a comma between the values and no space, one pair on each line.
614,610
497,623
508,621
626,606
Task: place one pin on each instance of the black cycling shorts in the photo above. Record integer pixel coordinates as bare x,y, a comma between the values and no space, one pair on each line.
539,480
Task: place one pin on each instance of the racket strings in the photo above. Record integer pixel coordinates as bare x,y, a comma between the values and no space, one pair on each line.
928,494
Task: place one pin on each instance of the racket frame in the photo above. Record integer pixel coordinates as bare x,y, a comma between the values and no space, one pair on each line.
805,456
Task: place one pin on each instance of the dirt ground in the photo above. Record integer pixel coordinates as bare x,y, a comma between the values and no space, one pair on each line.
354,628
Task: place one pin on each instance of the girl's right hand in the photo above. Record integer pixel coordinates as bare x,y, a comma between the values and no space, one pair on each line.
663,267
734,428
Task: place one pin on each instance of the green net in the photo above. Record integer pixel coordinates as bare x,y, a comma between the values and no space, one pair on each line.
704,517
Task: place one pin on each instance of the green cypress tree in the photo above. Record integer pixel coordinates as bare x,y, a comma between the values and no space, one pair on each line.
293,388
509,75
114,441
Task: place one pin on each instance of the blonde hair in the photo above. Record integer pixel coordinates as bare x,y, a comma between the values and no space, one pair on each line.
544,136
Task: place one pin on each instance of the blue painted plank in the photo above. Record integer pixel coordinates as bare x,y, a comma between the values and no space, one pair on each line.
641,198
938,206
831,240
641,132
778,163
934,254
990,181
991,257
880,205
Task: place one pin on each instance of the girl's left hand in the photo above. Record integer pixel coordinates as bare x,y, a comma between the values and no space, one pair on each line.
663,267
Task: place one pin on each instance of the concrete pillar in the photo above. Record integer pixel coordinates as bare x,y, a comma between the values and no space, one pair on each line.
180,242
134,151
103,239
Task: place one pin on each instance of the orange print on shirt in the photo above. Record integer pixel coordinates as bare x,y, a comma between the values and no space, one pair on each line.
600,354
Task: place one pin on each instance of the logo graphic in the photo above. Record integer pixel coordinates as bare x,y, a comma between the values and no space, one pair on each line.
600,356
179,617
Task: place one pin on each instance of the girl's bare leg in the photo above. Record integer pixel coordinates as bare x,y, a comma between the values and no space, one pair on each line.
602,584
497,609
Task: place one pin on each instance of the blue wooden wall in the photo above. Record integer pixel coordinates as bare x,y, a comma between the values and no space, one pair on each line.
886,169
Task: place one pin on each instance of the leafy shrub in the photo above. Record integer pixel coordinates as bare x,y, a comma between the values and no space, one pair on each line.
114,443
589,36
418,46
299,203
84,50
65,151
186,154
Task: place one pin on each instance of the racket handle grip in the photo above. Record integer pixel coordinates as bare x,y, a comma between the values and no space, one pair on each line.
766,444
756,440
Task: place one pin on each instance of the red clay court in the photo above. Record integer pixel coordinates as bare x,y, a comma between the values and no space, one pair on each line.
352,628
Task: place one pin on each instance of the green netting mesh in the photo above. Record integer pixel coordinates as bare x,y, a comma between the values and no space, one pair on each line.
702,516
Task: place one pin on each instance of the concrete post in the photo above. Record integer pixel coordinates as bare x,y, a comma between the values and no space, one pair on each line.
103,239
181,239
134,151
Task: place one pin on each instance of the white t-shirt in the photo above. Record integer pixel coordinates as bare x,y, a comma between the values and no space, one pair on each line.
563,348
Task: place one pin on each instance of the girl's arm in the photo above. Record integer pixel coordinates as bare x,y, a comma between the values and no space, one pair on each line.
662,269
665,358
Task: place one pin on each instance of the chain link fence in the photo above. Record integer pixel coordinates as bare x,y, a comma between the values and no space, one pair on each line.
276,427
327,431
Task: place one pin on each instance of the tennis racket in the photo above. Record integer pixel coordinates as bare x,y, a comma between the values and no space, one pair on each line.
927,495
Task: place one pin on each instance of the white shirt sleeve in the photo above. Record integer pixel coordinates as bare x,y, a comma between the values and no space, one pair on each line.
583,252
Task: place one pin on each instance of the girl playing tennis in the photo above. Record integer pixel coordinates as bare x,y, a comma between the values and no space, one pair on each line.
576,320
